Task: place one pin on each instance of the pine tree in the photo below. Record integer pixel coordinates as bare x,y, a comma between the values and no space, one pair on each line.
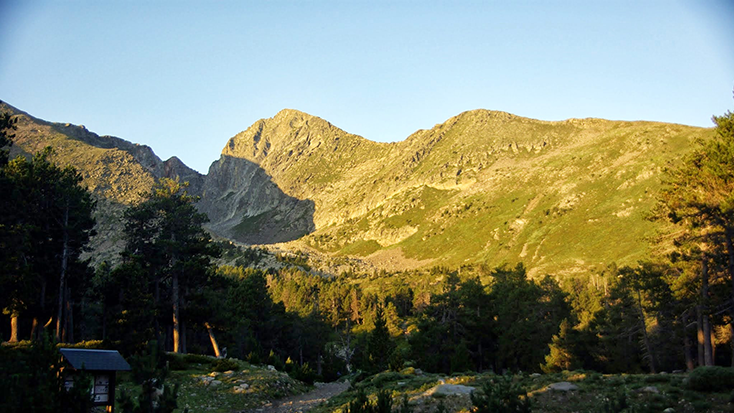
561,355
165,236
379,345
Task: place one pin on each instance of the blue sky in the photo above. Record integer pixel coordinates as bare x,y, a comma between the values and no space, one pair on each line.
185,76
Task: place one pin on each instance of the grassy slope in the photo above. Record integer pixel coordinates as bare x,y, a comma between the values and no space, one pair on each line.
595,392
197,396
491,187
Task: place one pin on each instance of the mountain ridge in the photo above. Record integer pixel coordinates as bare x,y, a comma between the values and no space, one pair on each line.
482,187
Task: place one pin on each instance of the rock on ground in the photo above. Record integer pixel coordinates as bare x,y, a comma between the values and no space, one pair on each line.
563,386
449,390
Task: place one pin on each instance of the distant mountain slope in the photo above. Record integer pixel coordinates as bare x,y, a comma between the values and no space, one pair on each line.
483,186
115,170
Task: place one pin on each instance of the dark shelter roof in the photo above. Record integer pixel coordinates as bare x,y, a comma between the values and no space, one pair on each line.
94,359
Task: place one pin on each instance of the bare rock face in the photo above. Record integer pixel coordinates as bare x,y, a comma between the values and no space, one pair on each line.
243,204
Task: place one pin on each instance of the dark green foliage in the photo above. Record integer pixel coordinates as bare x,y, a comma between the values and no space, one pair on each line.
501,395
614,402
304,373
45,224
383,403
225,364
396,361
382,379
149,371
379,345
176,362
7,126
460,360
404,404
31,381
562,350
711,379
165,239
198,359
361,404
528,313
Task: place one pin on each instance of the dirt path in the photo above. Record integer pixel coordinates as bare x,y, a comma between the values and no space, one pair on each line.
303,402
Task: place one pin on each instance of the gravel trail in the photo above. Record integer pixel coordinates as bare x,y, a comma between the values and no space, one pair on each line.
303,402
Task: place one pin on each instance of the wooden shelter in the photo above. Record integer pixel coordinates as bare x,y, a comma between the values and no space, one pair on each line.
102,365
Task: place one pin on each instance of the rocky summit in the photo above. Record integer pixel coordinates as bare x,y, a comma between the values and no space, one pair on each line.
483,187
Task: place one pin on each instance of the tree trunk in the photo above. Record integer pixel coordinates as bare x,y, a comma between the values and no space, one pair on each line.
646,339
34,329
728,235
215,346
708,349
104,320
699,336
43,311
69,329
706,328
83,322
176,324
687,347
13,327
156,303
62,278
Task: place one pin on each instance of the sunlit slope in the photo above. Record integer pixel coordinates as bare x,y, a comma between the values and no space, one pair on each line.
482,187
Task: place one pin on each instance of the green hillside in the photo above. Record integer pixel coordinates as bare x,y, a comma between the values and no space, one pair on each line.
483,187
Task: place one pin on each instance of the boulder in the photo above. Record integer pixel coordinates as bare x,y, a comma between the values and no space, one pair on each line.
242,388
563,386
649,389
449,390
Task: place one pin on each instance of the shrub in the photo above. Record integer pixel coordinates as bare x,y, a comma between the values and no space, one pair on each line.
176,362
360,404
225,364
501,396
657,378
379,380
384,402
404,404
305,374
197,358
711,379
614,402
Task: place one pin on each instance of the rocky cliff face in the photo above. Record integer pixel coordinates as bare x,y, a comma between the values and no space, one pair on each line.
482,187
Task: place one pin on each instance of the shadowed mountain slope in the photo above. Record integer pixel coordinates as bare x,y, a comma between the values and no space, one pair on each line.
115,171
